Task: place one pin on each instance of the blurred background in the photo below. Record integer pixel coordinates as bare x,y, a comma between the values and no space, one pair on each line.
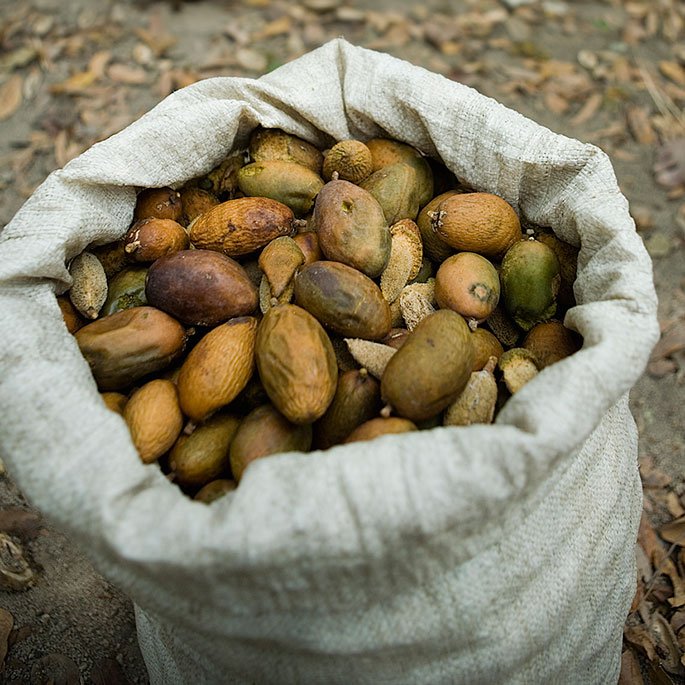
611,73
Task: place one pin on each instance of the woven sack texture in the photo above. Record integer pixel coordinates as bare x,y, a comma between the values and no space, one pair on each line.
486,554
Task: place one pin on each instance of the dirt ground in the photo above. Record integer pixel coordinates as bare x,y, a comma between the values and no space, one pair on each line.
73,72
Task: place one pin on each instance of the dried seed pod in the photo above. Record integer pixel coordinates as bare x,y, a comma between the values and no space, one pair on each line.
254,273
372,356
215,490
149,239
477,222
432,367
263,432
396,318
485,345
268,144
238,227
252,396
433,245
551,342
114,401
200,287
72,319
267,298
352,228
386,152
154,418
343,357
476,403
357,399
394,187
504,329
518,366
426,271
126,290
112,257
343,299
396,338
202,456
279,261
222,181
416,303
196,201
568,266
406,255
123,347
375,428
350,159
160,203
308,242
530,282
89,288
294,185
296,363
426,289
468,284
217,368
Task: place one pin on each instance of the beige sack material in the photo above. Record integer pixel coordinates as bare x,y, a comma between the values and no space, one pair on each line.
486,554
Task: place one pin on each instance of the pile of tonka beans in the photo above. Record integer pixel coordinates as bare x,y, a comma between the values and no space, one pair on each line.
294,299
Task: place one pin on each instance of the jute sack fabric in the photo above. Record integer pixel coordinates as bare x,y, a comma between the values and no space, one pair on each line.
488,554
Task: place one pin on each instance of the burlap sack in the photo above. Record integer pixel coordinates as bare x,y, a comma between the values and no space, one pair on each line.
489,554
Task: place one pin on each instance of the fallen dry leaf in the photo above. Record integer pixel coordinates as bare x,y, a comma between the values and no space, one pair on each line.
11,96
21,57
277,27
649,541
624,155
674,532
662,367
131,76
673,71
667,642
640,125
652,477
675,508
640,637
32,83
98,62
657,675
672,341
588,110
644,564
621,71
251,60
668,568
75,84
158,41
678,621
555,103
630,670
65,148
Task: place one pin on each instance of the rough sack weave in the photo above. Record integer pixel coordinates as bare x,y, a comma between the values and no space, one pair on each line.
486,554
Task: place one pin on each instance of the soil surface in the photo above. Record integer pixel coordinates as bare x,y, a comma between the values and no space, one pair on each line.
73,72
